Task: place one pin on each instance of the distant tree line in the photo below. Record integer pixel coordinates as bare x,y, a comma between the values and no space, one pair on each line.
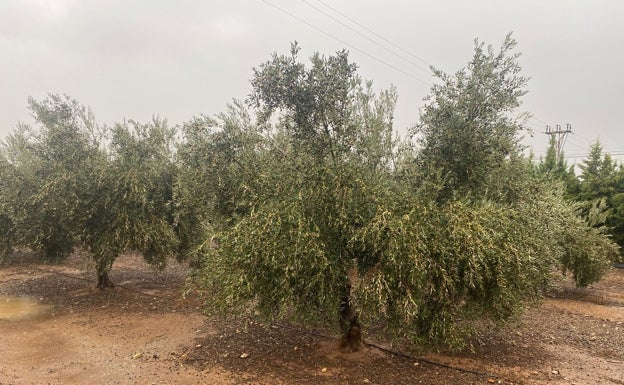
302,203
598,187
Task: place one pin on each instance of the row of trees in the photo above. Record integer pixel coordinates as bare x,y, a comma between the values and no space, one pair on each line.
302,202
69,183
599,187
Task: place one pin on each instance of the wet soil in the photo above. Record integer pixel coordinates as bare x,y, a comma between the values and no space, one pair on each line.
145,331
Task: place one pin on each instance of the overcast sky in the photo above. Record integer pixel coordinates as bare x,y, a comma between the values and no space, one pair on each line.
176,59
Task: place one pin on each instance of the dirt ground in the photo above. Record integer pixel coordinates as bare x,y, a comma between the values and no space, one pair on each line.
56,329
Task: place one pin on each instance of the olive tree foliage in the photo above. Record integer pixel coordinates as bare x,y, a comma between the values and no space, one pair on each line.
477,232
218,161
130,206
325,150
49,169
469,127
71,183
6,224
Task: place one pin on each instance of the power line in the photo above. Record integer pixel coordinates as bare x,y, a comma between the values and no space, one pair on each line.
290,14
374,33
578,142
612,154
538,120
345,43
364,36
588,140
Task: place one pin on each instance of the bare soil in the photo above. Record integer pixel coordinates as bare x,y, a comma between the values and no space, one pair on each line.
146,332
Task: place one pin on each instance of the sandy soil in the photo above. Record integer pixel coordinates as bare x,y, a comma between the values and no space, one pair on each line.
146,332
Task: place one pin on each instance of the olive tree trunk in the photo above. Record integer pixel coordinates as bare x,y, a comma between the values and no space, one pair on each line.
103,280
351,340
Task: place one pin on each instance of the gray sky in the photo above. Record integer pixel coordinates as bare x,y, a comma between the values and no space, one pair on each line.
176,59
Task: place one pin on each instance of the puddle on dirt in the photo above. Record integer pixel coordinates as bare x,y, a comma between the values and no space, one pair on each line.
19,308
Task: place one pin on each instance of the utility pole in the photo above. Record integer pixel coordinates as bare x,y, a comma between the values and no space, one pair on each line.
560,136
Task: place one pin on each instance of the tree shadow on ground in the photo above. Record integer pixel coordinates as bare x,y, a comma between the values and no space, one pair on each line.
70,286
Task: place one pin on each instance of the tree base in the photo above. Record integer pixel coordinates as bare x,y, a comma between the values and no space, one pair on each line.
352,340
104,281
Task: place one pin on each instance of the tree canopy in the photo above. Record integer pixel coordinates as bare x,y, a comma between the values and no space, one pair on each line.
67,185
468,129
315,168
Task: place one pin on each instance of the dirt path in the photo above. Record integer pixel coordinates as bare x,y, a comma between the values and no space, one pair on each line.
145,332
130,335
76,350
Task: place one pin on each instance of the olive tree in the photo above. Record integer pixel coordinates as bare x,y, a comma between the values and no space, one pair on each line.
325,149
477,233
129,202
6,224
48,171
469,126
339,225
68,185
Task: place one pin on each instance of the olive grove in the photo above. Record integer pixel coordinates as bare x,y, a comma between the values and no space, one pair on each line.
67,183
302,203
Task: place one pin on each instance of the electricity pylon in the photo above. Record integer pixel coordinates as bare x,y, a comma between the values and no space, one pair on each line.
560,136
